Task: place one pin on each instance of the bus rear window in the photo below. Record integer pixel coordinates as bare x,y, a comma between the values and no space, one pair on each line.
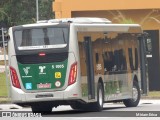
41,38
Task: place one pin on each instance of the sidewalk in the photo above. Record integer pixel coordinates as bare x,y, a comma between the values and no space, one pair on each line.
149,101
14,106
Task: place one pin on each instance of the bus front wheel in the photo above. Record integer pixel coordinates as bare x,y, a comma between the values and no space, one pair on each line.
136,96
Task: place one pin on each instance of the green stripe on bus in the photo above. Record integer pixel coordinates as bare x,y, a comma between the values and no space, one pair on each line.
43,76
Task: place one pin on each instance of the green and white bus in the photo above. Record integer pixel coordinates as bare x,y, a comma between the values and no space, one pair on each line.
81,62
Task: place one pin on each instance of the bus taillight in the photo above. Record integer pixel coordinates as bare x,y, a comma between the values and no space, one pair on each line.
72,74
41,54
14,78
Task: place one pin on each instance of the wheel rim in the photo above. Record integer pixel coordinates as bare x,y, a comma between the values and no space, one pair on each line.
135,93
100,98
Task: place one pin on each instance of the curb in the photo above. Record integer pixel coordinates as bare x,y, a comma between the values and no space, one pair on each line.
150,98
9,106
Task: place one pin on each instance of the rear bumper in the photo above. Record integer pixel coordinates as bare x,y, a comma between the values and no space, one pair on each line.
70,93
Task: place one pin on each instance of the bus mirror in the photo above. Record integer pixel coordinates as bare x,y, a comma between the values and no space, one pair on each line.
148,43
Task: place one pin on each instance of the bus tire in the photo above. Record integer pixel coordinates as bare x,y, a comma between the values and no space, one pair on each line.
74,107
136,96
98,106
41,109
77,106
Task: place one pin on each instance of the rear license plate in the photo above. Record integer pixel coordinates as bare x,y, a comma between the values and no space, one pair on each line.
46,85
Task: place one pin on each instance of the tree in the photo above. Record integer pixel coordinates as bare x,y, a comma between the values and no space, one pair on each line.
119,17
17,12
45,9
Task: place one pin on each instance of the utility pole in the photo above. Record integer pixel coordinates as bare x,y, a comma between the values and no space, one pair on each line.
37,11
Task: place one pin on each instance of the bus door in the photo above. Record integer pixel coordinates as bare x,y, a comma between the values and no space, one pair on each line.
143,51
89,67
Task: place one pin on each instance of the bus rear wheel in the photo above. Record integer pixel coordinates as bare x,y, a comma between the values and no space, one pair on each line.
98,106
78,106
95,106
136,96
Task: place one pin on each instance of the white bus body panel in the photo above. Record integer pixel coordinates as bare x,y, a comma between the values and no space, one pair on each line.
74,91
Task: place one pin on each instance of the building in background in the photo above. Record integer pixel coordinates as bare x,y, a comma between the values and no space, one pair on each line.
144,12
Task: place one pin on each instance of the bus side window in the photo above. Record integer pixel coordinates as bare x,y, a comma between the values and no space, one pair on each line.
116,60
122,59
107,61
111,57
97,58
130,58
119,60
136,59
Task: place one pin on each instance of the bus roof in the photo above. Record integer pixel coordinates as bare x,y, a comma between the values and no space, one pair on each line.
89,24
87,20
130,28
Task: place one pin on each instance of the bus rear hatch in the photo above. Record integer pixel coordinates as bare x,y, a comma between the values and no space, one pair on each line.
42,56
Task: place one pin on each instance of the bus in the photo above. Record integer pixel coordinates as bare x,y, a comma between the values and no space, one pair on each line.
82,62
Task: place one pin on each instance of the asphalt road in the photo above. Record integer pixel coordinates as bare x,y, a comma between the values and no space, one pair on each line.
110,110
146,110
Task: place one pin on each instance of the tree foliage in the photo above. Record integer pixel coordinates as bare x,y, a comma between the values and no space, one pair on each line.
17,12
